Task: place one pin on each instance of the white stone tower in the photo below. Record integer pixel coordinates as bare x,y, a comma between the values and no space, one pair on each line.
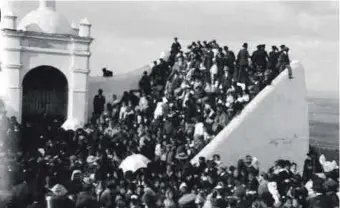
44,42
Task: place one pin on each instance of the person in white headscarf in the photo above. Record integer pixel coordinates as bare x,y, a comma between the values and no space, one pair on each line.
159,111
58,197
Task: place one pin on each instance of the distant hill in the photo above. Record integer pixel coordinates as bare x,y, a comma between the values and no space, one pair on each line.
332,95
324,122
114,85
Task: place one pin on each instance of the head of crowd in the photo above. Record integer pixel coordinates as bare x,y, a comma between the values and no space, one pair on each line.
182,103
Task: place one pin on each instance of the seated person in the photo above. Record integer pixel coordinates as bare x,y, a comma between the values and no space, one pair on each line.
107,73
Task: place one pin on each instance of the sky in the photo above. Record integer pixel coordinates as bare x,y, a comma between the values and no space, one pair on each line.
129,35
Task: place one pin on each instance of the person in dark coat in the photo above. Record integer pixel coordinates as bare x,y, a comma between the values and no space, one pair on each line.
259,57
273,58
98,103
220,61
284,61
311,166
145,84
133,98
282,177
107,73
154,71
85,198
175,48
242,63
208,58
229,60
107,197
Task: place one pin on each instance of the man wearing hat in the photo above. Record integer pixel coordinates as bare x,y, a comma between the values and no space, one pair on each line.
208,58
175,48
284,62
220,61
145,83
311,165
260,57
242,62
273,58
229,60
98,103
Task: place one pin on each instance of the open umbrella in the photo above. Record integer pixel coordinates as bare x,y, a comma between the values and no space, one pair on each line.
71,124
134,162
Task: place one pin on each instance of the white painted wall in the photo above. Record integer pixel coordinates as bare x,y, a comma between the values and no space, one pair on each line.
274,125
26,51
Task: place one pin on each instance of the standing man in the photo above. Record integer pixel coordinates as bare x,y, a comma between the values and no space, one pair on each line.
242,62
229,60
260,57
98,103
145,83
273,58
175,48
284,62
208,58
220,59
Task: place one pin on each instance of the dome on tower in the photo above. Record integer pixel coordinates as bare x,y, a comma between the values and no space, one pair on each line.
46,20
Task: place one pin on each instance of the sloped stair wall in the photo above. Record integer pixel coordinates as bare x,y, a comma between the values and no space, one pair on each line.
274,125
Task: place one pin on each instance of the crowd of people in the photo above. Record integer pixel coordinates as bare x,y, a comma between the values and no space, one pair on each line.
180,106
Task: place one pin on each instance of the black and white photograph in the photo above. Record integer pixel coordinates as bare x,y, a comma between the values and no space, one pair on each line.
169,104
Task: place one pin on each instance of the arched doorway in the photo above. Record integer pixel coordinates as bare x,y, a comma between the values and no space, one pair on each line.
45,95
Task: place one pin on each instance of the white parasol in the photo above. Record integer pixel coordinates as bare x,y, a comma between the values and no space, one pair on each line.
71,124
134,162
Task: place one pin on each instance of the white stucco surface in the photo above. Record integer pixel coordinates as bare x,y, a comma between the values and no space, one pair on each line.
274,125
45,38
46,20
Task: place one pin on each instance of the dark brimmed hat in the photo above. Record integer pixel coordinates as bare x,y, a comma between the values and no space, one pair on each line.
282,46
182,156
245,45
311,152
274,47
280,163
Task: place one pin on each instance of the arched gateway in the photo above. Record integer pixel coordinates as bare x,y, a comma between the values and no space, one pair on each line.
44,93
45,63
